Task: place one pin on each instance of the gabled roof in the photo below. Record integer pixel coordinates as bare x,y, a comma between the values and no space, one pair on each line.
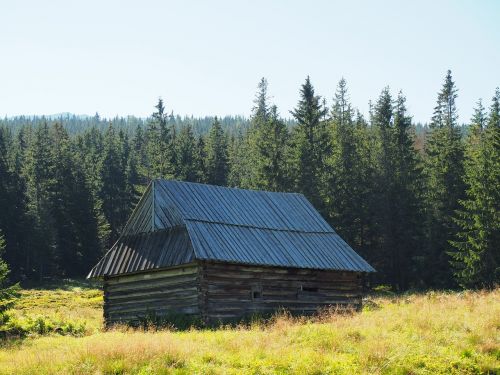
189,221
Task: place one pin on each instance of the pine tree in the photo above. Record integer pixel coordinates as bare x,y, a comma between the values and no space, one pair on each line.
309,150
476,257
217,156
444,170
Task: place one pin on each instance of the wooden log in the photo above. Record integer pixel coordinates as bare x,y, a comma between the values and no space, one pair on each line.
153,274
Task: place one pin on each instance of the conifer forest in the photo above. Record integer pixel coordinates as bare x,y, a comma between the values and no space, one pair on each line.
420,202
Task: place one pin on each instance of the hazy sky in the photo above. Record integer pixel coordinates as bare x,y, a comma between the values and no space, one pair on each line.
206,57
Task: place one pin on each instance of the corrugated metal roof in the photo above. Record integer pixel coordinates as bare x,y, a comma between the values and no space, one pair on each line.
146,251
248,245
176,201
141,220
196,221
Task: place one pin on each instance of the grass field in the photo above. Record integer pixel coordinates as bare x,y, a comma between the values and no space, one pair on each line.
432,333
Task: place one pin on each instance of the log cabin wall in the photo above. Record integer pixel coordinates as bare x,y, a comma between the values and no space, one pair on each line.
229,291
128,298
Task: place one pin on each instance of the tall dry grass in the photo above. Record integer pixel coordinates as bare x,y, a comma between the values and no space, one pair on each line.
433,333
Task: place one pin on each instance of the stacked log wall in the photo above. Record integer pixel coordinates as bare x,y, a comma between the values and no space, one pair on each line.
222,292
130,298
229,291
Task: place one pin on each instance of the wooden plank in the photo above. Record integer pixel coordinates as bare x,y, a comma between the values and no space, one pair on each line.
130,289
154,274
227,290
139,294
149,304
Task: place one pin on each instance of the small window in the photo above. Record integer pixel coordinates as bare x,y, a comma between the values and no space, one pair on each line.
256,292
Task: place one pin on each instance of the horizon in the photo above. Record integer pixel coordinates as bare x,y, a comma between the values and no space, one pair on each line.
118,58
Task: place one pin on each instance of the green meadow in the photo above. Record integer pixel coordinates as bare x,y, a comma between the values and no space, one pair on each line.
58,330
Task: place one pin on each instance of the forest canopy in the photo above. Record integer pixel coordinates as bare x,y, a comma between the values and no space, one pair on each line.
419,202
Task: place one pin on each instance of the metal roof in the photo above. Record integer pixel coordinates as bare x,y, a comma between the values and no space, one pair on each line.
217,204
248,245
188,221
146,251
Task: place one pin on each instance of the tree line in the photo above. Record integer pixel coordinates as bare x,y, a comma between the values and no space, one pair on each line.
423,210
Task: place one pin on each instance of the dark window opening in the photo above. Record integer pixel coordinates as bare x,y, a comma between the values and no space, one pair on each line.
309,289
256,292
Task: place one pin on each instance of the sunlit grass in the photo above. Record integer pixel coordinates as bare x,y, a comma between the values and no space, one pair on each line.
434,333
68,308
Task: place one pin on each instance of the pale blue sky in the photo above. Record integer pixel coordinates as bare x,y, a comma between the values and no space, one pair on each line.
206,57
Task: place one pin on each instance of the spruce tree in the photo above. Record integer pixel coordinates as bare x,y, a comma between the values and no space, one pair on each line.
365,207
407,190
129,165
201,160
238,148
308,139
385,256
186,164
38,172
113,185
62,196
444,188
476,257
75,223
8,293
139,151
13,219
340,193
87,223
91,152
160,152
250,147
217,155
271,167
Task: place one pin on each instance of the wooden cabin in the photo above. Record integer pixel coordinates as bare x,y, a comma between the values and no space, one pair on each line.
219,254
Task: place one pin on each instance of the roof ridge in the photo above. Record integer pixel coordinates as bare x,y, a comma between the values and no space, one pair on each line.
331,231
228,187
